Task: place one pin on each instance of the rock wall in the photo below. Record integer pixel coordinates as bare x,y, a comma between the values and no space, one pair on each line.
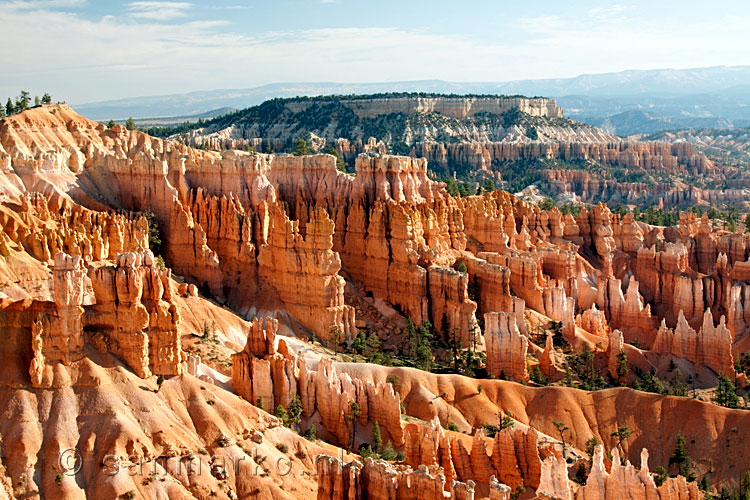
711,346
272,373
506,347
512,456
304,272
45,225
625,481
57,333
631,155
380,480
134,316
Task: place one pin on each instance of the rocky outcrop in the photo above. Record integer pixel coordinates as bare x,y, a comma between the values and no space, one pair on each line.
304,272
666,278
554,482
594,321
451,308
394,178
711,346
512,456
57,333
271,376
614,348
46,225
625,481
378,479
506,347
547,360
134,316
624,311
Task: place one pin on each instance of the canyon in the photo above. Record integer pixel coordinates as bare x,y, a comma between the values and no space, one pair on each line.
513,141
165,306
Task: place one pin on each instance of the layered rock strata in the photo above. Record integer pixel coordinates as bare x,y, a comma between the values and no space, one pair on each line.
506,347
135,317
270,375
377,479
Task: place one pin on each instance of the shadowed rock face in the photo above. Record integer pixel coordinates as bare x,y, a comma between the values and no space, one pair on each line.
92,316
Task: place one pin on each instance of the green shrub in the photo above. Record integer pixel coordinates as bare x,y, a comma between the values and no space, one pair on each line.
283,448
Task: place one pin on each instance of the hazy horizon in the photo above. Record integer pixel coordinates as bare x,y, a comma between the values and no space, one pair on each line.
83,51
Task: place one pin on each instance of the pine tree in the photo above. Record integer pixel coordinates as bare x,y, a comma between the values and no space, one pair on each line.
281,413
311,434
2,112
623,432
23,100
301,147
130,124
680,457
744,493
591,445
46,99
451,187
622,363
354,413
423,351
373,343
359,343
9,107
561,429
375,438
110,124
726,393
660,475
294,411
388,452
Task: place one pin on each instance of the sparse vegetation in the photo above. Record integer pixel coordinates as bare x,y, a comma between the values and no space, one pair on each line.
451,426
622,433
680,458
726,393
311,433
375,438
562,429
282,447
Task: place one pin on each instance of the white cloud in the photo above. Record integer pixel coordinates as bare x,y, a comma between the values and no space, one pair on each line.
158,11
609,13
85,60
43,4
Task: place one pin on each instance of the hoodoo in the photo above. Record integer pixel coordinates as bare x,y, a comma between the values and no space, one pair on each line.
247,314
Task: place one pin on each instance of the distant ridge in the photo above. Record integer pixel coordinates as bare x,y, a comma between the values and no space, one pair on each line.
670,98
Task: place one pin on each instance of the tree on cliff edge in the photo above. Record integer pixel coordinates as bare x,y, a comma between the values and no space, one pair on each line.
301,147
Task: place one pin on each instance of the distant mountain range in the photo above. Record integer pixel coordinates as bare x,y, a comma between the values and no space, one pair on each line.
627,102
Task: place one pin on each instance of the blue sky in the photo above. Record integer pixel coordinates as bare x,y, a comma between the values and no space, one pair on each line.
83,51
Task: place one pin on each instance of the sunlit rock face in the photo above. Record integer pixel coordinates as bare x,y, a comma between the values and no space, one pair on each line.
119,253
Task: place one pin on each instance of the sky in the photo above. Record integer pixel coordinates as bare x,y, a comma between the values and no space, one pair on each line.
84,51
